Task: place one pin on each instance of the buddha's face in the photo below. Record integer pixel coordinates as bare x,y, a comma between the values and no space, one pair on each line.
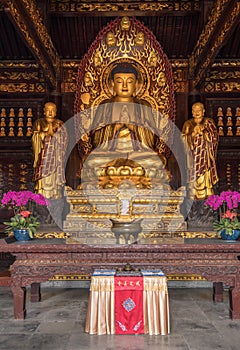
50,110
198,113
124,84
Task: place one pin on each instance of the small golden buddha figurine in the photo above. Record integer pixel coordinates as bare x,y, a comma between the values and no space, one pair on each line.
20,132
97,59
29,122
238,121
229,131
229,121
29,131
3,112
88,79
237,113
11,113
29,112
139,40
229,112
110,39
2,132
238,131
220,131
20,112
11,132
220,112
20,121
125,23
3,122
220,121
152,59
11,122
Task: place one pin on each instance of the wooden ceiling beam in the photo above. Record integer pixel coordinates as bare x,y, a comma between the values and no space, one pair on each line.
220,25
28,21
120,8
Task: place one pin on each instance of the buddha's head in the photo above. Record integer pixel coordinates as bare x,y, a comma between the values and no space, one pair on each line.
50,110
198,112
124,81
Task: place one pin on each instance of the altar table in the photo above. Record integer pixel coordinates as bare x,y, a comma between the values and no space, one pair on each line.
41,259
101,313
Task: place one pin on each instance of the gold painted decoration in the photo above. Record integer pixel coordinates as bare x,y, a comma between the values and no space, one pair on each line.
23,87
19,76
123,5
225,87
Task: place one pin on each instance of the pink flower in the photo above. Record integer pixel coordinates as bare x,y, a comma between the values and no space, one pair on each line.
226,199
21,198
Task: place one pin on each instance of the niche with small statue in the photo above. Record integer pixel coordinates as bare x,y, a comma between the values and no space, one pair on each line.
228,121
16,122
226,115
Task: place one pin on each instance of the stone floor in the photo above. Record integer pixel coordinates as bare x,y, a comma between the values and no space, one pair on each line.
57,322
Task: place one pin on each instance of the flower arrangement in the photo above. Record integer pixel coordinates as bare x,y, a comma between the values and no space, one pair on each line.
23,218
227,204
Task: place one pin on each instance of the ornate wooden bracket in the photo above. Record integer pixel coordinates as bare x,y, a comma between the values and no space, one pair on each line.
221,23
27,19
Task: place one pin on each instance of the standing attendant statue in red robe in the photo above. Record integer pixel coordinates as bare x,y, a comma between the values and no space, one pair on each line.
201,136
49,143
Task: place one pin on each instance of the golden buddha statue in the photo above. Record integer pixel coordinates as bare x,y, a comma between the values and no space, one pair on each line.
49,141
124,126
124,132
201,136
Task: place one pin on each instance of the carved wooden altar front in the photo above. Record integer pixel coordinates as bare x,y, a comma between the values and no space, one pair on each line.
41,259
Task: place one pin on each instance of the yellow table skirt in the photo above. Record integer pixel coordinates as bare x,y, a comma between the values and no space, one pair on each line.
100,314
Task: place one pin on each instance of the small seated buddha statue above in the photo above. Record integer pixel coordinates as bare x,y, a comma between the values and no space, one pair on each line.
124,127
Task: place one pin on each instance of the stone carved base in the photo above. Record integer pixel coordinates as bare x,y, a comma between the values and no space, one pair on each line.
89,219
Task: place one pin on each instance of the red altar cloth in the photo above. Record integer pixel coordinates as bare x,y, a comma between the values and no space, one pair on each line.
129,305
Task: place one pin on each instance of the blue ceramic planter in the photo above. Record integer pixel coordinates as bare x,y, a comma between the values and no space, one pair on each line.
21,234
235,235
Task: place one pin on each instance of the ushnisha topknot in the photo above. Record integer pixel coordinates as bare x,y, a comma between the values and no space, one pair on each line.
124,67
